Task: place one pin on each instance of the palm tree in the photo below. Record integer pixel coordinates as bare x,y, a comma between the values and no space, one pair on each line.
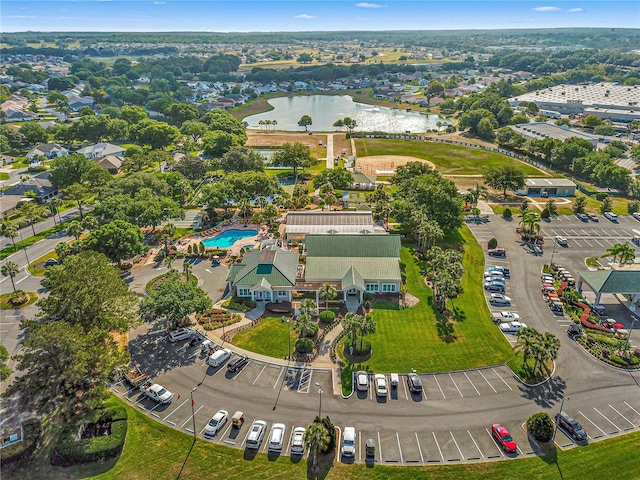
549,345
274,123
303,325
33,213
167,232
366,327
477,192
10,230
526,343
261,123
187,268
10,269
551,207
351,325
613,251
75,229
627,253
327,292
245,208
309,307
168,260
317,439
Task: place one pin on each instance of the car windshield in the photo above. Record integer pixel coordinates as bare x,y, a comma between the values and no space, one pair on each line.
213,422
348,443
506,437
162,391
577,426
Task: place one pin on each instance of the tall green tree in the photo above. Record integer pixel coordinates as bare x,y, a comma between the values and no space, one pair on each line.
505,178
294,155
305,121
118,240
10,269
9,230
5,371
327,292
33,213
317,440
174,300
75,229
78,193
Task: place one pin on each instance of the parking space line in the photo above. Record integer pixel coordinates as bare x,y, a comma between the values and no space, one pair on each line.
455,385
176,409
585,241
263,367
589,420
494,442
286,452
278,379
474,387
190,417
359,444
399,448
520,451
474,442
454,441
613,408
485,379
503,381
607,419
438,445
404,387
379,446
419,447
438,383
598,242
576,243
637,413
226,432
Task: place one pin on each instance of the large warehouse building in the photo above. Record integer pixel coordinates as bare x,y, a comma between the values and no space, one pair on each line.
607,100
542,130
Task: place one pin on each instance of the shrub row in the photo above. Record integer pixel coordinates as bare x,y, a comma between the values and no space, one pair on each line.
21,451
69,451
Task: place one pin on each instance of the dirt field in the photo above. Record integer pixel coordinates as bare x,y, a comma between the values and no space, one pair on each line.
258,139
385,165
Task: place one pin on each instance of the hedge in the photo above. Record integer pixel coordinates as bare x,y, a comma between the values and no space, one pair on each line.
327,316
70,451
21,451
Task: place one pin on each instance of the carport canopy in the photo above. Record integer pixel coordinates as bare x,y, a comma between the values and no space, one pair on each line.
624,282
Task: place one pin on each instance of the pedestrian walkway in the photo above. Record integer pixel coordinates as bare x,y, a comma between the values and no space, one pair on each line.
323,360
329,164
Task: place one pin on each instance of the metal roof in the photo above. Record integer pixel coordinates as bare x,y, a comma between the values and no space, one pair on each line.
274,266
549,182
612,281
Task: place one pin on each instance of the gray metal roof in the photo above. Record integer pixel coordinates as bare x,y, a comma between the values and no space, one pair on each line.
549,182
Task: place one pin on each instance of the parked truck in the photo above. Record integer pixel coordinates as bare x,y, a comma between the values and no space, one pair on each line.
135,376
156,392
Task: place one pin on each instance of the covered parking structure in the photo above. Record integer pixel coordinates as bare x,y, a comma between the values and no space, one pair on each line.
622,282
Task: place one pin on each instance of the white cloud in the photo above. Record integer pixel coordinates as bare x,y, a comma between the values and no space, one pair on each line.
576,10
369,5
305,16
547,9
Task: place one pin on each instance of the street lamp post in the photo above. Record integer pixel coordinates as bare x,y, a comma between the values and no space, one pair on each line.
25,250
553,250
561,409
193,415
633,323
320,392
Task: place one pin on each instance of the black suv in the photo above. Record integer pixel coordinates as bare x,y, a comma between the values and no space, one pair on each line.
237,363
571,426
414,383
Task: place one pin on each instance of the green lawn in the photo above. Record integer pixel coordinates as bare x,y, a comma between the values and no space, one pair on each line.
269,337
154,450
416,338
4,176
450,159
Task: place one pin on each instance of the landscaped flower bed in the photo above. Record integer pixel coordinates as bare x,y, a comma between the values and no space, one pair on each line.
217,318
608,349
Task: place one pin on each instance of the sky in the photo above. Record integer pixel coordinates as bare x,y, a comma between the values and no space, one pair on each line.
310,15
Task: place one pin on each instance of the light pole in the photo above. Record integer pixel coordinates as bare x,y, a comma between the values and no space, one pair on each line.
193,415
320,392
633,323
553,250
561,409
24,246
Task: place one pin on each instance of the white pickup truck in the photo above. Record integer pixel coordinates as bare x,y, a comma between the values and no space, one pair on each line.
156,392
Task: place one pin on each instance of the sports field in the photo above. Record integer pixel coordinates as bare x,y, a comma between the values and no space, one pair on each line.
448,159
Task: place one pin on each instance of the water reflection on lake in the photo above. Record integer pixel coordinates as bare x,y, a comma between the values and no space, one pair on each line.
324,110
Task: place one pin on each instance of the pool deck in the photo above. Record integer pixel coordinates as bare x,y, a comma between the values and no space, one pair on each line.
263,234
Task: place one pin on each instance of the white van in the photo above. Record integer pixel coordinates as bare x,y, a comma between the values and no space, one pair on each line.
395,379
349,442
611,216
218,357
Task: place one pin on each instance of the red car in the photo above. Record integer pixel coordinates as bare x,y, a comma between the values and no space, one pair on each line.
593,217
503,438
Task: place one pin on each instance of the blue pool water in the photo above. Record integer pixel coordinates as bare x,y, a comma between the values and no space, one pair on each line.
227,238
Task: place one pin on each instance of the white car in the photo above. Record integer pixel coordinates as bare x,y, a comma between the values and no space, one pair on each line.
611,216
493,273
362,381
256,434
381,385
297,441
349,442
499,299
180,334
636,215
561,240
512,327
276,439
216,423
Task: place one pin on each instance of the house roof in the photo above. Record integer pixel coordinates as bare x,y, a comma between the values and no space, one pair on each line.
110,162
101,150
271,265
329,222
45,148
549,182
372,257
352,279
612,281
40,184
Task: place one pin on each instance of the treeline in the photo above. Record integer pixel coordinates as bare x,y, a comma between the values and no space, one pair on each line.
619,39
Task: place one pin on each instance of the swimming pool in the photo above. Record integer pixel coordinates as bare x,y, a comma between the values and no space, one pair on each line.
227,238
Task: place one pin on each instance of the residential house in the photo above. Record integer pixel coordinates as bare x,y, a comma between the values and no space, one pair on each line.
110,163
48,150
39,184
102,150
267,275
352,264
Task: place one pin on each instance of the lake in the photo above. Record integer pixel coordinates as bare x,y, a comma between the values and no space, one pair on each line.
324,110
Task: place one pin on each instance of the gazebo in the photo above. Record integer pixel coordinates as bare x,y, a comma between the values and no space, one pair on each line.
624,282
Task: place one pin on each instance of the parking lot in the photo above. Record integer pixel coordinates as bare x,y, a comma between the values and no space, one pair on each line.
593,235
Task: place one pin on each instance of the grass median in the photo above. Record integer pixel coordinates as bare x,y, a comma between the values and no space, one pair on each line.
269,337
